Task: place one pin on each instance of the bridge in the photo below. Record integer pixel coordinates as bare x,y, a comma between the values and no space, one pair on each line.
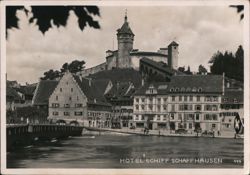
27,134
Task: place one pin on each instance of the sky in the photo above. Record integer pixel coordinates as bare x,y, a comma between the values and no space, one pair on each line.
200,31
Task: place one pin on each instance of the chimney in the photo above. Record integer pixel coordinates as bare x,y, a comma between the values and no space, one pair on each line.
90,82
142,82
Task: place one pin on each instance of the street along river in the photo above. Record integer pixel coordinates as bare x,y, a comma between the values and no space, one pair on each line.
130,151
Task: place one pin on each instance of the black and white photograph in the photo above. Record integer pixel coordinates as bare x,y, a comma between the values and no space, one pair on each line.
124,87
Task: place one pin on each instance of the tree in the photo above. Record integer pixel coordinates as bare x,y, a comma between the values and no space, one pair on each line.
51,75
42,16
74,67
202,70
230,64
240,10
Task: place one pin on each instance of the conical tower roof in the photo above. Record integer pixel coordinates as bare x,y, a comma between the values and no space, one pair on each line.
125,29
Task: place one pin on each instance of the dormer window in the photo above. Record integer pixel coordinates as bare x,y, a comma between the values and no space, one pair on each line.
194,89
176,89
188,89
172,89
182,89
199,89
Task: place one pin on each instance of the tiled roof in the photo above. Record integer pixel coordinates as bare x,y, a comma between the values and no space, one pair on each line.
27,90
91,91
12,94
101,84
159,65
119,75
147,53
232,96
196,83
174,43
125,29
161,87
43,91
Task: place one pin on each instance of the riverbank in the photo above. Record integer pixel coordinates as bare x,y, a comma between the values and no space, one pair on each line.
161,133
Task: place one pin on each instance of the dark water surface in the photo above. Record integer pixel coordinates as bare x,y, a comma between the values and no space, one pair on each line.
130,151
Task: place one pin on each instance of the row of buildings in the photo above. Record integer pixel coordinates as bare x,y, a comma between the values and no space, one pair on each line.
136,89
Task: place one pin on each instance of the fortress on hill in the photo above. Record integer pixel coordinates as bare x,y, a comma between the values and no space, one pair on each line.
127,57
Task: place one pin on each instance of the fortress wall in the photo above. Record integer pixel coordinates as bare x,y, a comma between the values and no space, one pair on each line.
93,70
135,59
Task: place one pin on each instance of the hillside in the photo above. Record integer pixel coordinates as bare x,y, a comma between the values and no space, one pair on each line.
119,75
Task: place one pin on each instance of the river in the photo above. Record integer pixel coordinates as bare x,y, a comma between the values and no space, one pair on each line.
130,151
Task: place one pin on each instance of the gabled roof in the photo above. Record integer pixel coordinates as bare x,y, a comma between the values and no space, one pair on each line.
192,84
92,92
43,91
233,96
12,94
26,90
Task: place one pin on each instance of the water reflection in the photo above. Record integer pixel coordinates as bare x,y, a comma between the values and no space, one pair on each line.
106,151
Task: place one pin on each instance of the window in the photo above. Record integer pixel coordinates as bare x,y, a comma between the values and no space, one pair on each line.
191,98
158,117
185,98
215,117
55,113
164,117
176,89
229,120
215,98
78,105
180,117
165,100
197,107
173,98
173,107
199,89
60,89
143,100
77,98
208,98
142,107
165,107
78,113
137,107
71,89
159,100
158,107
198,98
197,117
172,89
55,105
56,98
66,113
136,117
150,107
66,105
151,100
142,117
70,98
190,125
172,116
180,98
137,100
213,125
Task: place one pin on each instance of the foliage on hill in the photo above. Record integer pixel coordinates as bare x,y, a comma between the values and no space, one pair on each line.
231,64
